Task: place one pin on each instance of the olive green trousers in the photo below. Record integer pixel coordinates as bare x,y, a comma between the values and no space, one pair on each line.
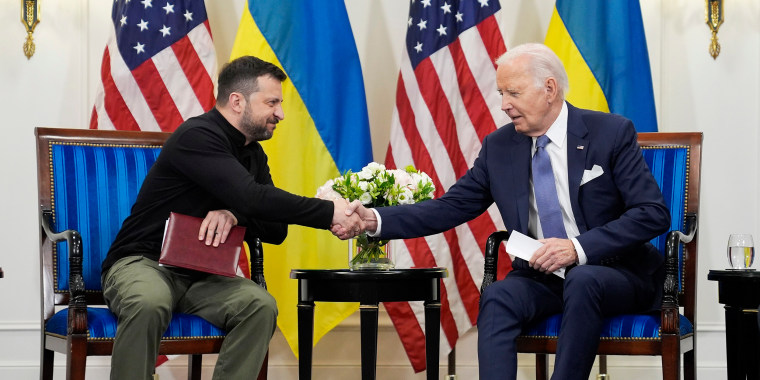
143,295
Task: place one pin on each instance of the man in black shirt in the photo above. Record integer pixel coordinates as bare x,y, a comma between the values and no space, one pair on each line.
213,167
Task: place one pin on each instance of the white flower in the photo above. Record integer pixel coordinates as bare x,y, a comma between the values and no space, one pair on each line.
364,185
405,196
416,179
365,198
374,167
326,191
365,174
402,177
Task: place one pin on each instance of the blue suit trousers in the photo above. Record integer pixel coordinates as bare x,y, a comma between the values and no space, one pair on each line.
587,295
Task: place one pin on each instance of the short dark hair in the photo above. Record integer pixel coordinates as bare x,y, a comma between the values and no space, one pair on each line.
241,75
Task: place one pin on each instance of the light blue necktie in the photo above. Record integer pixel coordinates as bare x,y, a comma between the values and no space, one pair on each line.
546,192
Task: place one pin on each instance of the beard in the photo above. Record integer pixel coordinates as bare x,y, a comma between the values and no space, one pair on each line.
256,129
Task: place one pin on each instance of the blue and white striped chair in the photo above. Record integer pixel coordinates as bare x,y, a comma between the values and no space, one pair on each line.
674,159
87,183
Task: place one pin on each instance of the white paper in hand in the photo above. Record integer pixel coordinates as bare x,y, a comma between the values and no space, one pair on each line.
523,247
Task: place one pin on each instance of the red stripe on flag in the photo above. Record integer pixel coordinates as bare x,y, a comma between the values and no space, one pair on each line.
195,72
157,96
423,258
420,154
440,109
114,104
476,106
492,39
94,118
468,291
410,332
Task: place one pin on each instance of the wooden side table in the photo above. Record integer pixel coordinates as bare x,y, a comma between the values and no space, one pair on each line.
739,292
369,288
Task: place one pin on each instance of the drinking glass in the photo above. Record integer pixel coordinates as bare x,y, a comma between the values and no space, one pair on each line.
741,251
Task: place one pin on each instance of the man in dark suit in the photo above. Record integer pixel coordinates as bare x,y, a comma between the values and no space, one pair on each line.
596,225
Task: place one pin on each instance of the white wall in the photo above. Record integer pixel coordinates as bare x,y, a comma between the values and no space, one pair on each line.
693,92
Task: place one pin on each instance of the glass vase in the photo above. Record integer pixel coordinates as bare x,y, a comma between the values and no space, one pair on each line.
368,253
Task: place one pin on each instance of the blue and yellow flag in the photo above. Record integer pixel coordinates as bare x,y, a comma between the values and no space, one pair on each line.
604,50
325,133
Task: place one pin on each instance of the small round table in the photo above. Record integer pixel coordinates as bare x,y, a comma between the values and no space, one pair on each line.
369,288
739,292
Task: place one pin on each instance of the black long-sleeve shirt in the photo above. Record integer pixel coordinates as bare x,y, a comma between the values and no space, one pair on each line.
203,166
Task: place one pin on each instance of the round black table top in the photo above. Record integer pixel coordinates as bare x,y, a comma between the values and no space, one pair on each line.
733,274
364,274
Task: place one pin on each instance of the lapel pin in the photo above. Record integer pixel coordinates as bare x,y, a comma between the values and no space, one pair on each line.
579,147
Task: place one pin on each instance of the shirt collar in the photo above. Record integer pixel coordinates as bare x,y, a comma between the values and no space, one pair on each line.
558,131
236,137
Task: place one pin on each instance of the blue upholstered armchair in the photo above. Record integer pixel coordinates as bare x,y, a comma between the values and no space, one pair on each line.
674,159
88,181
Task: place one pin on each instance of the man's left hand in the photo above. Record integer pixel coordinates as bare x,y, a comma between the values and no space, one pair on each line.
216,226
554,254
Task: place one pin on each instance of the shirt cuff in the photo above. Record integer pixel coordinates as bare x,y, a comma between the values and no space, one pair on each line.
379,224
582,259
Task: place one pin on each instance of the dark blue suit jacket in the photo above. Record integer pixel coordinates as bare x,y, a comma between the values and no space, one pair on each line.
617,213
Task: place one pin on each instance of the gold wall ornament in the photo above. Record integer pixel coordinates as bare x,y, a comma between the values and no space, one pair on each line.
714,19
30,17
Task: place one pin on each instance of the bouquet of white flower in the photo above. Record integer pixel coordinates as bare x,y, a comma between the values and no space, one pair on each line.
376,186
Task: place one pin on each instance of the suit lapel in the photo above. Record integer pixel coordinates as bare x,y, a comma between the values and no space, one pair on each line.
577,148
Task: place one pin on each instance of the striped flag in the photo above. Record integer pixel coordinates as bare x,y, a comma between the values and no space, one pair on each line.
325,133
446,103
604,50
159,66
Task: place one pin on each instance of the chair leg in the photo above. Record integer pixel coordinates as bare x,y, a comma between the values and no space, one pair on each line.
264,368
602,368
194,366
46,367
689,365
542,367
671,358
76,361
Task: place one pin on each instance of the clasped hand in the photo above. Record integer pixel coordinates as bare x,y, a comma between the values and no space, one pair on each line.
363,218
554,254
346,224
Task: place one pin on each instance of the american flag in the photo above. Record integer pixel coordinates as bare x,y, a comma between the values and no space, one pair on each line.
158,68
446,103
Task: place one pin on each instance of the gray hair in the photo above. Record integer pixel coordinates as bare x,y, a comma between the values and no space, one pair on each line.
543,64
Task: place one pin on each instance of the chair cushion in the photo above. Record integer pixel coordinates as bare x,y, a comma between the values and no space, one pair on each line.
102,325
628,326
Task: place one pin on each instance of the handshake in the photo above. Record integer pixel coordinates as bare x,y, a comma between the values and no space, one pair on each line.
351,219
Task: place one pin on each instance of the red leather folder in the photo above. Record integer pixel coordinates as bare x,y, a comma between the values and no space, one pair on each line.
181,247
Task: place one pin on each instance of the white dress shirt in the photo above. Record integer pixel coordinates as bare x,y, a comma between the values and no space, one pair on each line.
557,150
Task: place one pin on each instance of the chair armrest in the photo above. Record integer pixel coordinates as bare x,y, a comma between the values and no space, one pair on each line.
670,288
492,257
77,297
257,263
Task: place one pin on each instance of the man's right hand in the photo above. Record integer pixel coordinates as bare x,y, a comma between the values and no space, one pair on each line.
367,216
345,224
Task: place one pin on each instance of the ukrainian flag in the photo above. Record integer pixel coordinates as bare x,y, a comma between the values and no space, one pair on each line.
325,133
604,50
